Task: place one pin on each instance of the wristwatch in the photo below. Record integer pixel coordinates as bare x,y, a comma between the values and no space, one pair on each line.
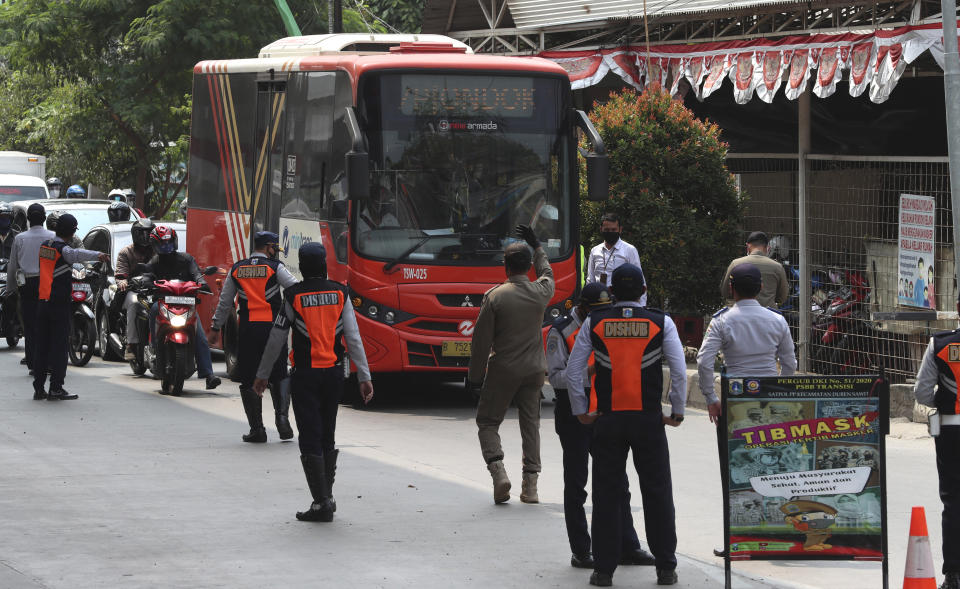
677,418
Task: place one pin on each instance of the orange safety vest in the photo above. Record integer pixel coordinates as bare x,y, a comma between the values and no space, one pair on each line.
56,281
317,329
628,355
946,350
257,288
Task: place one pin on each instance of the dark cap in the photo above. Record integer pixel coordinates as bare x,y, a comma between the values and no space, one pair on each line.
745,277
265,238
627,283
67,223
758,237
36,213
595,294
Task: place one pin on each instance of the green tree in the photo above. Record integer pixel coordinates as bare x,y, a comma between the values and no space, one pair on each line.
405,16
104,86
678,203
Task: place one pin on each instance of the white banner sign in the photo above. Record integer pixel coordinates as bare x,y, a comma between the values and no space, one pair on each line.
918,223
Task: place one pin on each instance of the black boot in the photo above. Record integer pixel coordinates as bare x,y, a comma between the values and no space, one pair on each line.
330,470
951,581
281,410
252,407
320,510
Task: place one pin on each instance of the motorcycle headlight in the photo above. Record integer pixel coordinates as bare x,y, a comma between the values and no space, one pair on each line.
178,320
78,274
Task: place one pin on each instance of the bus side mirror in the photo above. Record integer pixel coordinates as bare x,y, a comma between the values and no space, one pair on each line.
598,164
358,174
357,161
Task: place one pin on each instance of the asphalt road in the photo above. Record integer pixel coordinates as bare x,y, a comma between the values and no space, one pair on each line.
125,487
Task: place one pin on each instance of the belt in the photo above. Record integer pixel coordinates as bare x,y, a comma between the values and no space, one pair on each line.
949,419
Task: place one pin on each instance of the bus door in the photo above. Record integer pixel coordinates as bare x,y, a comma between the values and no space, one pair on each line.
269,166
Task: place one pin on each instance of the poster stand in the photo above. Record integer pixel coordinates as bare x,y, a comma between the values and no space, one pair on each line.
826,397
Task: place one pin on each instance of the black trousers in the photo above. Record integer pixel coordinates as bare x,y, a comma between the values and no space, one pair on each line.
575,439
615,435
315,394
252,338
52,341
28,314
948,466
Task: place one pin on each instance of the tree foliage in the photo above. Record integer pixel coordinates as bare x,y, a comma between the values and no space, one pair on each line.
676,200
103,87
404,16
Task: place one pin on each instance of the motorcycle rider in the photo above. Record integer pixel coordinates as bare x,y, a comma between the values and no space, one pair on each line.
54,187
320,313
169,264
138,252
53,219
7,232
76,191
23,258
118,211
53,308
117,195
256,283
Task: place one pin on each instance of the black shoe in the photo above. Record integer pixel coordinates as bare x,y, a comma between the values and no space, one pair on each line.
23,361
212,382
283,427
601,579
666,577
31,372
60,395
256,436
581,561
637,557
39,394
318,512
951,581
720,552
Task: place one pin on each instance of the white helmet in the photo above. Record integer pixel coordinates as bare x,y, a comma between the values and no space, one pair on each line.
118,195
779,247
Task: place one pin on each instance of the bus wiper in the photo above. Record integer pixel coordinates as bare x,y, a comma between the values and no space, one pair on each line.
390,265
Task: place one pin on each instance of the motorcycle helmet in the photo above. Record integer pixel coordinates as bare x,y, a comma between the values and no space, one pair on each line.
118,211
117,195
163,239
140,231
76,191
6,217
54,186
779,247
53,219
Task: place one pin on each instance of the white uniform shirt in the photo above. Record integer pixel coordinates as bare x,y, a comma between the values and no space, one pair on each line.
672,349
605,261
927,377
558,354
752,339
25,254
228,292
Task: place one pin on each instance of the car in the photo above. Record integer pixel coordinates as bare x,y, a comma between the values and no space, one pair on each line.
17,187
89,212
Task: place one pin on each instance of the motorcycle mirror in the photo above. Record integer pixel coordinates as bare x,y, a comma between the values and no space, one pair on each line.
210,270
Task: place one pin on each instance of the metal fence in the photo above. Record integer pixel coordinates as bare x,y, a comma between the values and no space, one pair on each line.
857,319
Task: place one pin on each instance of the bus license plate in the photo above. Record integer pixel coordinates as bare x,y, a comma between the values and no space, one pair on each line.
82,287
171,300
457,349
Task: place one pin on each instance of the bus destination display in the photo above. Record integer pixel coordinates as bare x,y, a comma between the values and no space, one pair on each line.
466,96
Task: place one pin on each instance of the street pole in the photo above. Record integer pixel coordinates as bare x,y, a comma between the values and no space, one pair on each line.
803,148
951,88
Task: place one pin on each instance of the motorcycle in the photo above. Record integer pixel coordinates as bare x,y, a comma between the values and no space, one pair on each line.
83,327
175,340
841,335
143,355
10,327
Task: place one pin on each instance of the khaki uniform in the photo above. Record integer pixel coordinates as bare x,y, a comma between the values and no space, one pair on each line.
508,346
775,289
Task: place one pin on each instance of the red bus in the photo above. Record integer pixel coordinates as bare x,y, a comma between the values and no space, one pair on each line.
410,158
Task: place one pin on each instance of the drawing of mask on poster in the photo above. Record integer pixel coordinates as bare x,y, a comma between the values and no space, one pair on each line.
918,217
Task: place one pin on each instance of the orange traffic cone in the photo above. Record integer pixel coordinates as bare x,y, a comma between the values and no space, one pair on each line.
919,573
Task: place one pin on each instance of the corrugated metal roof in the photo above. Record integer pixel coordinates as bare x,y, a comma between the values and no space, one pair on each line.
550,13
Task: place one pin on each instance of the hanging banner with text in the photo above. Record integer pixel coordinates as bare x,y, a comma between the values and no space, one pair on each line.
918,218
805,457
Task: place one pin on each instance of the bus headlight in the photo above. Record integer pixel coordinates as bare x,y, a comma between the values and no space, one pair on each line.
389,317
554,312
372,310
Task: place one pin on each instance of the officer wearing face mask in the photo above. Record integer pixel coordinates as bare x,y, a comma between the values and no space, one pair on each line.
611,254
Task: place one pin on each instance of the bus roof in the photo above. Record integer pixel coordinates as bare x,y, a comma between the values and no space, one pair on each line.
340,43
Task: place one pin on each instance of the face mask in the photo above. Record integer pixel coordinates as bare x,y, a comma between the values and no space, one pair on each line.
54,193
610,237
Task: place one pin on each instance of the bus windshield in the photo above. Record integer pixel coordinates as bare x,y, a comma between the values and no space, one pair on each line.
458,161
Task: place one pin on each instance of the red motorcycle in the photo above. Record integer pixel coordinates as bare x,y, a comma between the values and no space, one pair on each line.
842,336
172,353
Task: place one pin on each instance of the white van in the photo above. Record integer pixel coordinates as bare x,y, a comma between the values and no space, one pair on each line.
14,187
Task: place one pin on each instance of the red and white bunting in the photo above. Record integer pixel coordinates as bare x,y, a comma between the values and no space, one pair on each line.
873,61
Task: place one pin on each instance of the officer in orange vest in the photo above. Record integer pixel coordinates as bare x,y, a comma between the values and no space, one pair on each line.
322,318
575,438
937,387
629,343
53,308
256,282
